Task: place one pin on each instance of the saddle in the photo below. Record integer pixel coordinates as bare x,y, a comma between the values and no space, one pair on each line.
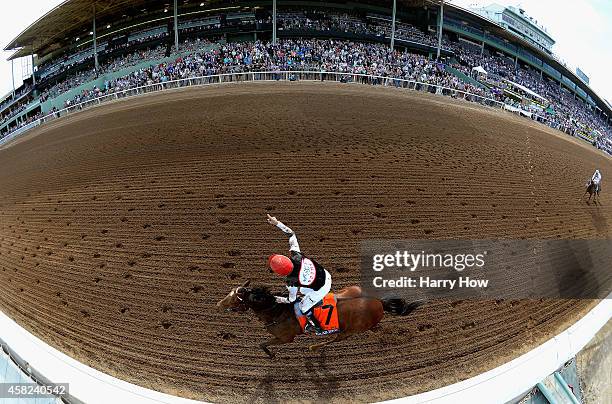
325,312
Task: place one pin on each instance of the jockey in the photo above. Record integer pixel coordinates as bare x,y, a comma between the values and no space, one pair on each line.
596,179
304,275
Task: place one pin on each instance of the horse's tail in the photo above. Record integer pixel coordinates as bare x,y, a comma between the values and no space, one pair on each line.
400,307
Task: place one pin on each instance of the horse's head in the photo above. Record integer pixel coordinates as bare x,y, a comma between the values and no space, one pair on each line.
243,298
236,300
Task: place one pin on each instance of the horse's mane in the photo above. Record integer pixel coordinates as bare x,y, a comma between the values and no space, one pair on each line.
261,291
260,298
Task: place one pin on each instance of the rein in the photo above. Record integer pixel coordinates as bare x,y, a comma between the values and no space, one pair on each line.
273,307
276,322
273,322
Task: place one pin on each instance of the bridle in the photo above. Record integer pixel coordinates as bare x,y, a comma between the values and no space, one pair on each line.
243,306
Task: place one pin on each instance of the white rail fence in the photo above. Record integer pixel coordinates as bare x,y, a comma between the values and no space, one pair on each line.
271,76
506,383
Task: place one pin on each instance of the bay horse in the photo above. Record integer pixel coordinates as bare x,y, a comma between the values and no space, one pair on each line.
593,191
357,313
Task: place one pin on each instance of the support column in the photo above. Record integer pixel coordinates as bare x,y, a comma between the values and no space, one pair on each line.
95,40
273,22
541,74
33,75
13,74
440,22
515,62
393,25
482,49
176,38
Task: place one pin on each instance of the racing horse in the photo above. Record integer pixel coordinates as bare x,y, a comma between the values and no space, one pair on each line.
357,313
593,190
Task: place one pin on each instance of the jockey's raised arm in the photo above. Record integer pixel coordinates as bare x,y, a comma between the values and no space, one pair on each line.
293,242
293,247
303,275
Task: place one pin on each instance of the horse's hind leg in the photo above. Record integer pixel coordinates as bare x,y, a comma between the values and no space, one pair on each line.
337,338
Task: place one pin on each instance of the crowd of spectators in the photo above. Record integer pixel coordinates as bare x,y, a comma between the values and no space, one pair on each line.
321,21
289,55
563,110
49,69
24,89
7,114
506,81
374,25
115,64
559,108
23,122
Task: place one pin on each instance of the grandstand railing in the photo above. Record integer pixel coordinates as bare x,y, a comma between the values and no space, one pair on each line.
277,76
269,76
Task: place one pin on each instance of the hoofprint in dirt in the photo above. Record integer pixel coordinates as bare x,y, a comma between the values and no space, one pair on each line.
123,225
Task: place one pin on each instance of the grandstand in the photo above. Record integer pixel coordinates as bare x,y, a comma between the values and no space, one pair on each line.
84,49
124,225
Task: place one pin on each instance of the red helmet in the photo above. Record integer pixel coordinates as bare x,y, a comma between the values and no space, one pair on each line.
280,264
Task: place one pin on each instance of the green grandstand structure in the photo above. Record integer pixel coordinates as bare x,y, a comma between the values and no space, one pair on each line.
80,35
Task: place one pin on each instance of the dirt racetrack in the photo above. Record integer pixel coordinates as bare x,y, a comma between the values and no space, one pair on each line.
121,226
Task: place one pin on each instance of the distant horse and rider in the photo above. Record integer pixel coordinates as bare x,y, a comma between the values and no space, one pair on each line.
343,314
593,187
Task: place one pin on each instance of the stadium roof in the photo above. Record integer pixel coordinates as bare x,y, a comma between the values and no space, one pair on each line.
73,19
67,21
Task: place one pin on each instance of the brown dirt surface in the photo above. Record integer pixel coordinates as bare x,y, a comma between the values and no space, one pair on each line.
123,225
594,365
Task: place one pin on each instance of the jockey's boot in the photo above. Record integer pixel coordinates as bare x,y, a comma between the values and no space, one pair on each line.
312,324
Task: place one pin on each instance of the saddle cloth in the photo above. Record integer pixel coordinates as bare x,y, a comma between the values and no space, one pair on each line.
326,314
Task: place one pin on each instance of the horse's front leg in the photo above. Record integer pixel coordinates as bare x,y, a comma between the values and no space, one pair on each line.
273,341
264,345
